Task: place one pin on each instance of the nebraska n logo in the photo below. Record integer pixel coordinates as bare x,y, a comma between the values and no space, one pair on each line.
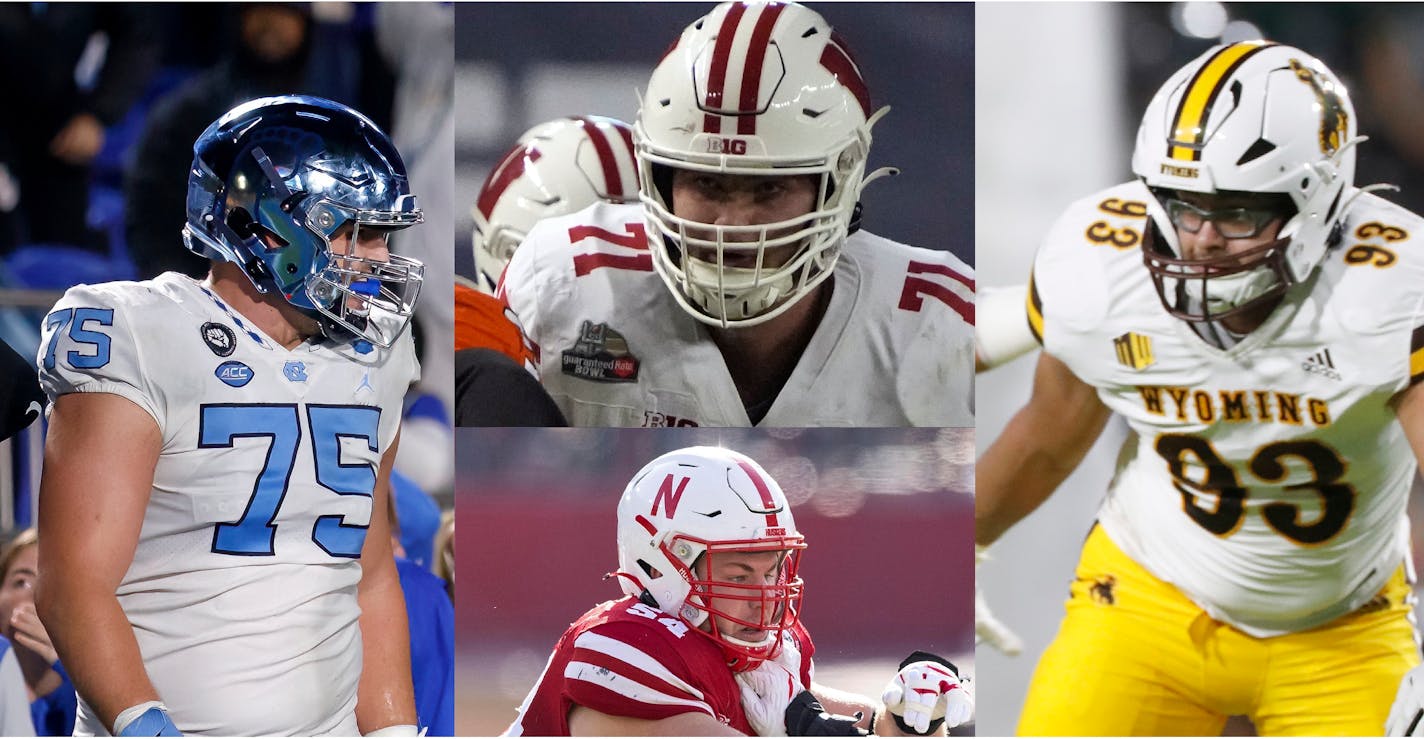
1134,350
667,497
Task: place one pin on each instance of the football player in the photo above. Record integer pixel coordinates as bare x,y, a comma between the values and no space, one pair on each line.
213,508
557,167
741,290
708,639
1258,321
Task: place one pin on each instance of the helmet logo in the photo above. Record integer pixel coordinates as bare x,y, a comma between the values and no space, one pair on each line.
667,497
1175,171
1334,121
721,145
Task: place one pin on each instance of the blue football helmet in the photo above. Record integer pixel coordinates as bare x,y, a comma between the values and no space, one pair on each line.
276,180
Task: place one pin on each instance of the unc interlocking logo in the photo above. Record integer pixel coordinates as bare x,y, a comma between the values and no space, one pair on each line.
295,371
1134,350
1334,121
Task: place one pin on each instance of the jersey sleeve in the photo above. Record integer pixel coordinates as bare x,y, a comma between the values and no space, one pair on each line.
90,343
626,669
521,285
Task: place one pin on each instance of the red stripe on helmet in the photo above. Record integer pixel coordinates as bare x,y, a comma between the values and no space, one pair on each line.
503,175
762,490
837,61
647,526
753,68
613,182
717,72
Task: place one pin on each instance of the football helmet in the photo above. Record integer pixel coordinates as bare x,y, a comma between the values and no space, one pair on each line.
276,180
1257,118
557,168
684,510
753,88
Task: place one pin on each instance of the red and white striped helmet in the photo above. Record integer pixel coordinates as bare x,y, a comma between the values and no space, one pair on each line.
682,511
558,167
753,88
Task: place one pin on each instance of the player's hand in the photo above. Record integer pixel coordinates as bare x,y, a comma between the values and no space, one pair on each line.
31,634
926,692
987,629
145,719
1408,709
805,716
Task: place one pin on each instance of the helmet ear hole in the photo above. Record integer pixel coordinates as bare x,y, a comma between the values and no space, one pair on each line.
649,570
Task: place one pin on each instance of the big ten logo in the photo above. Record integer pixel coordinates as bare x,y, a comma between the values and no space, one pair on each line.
722,145
655,420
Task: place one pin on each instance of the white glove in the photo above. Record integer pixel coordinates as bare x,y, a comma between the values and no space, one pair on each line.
768,689
987,629
923,692
1408,709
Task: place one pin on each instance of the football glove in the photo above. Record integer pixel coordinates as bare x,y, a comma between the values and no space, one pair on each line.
145,719
987,629
1408,709
925,693
805,716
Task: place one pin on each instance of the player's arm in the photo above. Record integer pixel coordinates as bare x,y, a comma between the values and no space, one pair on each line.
584,721
1038,449
99,459
846,703
384,696
1406,714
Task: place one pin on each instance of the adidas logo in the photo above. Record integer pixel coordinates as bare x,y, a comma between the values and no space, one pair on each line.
1321,363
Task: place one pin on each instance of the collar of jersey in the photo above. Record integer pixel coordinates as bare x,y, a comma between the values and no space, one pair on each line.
242,325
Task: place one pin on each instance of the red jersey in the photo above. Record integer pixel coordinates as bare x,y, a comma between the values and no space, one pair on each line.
626,658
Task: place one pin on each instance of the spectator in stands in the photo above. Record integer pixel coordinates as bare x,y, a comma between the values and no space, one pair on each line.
268,58
52,699
431,616
50,127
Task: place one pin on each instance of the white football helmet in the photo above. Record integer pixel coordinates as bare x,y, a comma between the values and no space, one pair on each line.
753,88
684,509
1251,117
558,167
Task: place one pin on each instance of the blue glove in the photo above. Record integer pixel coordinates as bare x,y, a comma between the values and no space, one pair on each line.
152,722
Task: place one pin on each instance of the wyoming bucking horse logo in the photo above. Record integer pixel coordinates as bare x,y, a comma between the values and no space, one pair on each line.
1334,120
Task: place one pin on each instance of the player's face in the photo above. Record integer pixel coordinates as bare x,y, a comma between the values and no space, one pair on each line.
743,200
18,586
744,569
1211,226
371,243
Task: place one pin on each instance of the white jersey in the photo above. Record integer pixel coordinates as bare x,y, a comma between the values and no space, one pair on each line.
242,591
1267,481
894,348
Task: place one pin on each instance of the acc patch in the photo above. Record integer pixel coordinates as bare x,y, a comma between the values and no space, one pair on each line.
600,354
221,339
235,374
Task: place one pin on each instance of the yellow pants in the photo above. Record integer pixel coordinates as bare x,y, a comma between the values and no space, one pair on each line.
1135,657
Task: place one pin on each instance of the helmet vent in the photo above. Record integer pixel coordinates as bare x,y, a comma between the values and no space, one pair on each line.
1257,150
809,32
811,113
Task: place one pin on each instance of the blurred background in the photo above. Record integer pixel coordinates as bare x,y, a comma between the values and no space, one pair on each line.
518,64
104,101
884,512
1060,90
